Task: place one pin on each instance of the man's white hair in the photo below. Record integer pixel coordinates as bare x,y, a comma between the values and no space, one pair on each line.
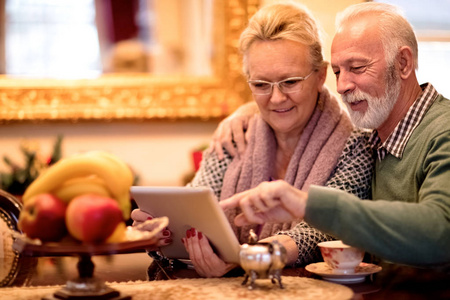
395,30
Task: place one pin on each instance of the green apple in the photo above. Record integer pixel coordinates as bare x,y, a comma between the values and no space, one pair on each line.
92,218
43,217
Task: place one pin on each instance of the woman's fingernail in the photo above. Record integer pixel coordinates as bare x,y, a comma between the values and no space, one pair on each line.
166,233
168,241
188,233
200,235
150,218
193,231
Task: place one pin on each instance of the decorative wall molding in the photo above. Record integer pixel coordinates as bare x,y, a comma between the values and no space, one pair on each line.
139,97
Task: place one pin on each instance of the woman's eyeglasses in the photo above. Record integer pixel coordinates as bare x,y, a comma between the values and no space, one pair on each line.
286,86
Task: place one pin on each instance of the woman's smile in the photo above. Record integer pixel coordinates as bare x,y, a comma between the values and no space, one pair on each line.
283,110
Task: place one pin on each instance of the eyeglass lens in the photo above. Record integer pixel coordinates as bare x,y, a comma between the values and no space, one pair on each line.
288,85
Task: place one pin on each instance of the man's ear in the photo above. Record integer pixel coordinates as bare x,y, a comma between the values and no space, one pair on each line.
405,59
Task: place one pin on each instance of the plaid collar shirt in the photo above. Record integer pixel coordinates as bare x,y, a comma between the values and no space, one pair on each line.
396,142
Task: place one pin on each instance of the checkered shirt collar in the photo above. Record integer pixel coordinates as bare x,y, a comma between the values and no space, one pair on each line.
396,142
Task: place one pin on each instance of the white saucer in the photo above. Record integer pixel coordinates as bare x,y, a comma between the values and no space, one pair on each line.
361,271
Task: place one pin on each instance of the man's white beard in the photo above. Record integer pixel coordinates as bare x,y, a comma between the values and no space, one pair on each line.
378,108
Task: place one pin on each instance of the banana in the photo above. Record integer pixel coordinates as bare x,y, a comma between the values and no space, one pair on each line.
123,168
107,167
124,204
127,180
79,186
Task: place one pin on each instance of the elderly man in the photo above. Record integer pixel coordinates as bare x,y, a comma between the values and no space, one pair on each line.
374,56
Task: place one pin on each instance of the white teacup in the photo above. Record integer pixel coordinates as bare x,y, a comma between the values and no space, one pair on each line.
341,258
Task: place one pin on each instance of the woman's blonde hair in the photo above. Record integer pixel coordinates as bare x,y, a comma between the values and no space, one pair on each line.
283,21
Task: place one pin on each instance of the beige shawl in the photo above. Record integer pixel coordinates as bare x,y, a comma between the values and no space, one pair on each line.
313,161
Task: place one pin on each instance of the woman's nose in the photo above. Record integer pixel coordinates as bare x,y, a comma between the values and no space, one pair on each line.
277,95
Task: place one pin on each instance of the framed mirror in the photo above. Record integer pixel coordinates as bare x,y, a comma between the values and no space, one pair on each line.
140,96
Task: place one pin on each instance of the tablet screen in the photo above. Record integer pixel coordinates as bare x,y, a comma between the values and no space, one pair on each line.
186,208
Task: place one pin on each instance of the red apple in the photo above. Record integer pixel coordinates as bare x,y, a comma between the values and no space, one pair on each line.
43,217
92,218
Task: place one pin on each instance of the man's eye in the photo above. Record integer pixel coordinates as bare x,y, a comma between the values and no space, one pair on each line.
358,69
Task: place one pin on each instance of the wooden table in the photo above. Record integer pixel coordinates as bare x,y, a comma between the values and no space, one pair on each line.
393,282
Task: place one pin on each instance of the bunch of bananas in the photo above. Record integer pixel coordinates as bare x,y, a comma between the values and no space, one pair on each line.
94,172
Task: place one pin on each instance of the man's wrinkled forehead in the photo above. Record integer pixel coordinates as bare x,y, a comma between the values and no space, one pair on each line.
361,33
364,26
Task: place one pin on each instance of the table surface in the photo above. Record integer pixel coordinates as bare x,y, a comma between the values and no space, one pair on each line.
393,282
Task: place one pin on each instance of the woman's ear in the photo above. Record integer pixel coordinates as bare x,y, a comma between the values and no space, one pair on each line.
322,76
405,60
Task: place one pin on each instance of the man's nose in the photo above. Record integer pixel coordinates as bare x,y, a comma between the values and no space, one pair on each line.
344,83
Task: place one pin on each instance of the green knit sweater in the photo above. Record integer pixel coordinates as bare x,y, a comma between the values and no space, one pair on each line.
409,222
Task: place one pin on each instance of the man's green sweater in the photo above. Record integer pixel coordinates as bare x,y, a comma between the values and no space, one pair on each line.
410,220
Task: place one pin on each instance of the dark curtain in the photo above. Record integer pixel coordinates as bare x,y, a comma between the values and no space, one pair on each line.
117,21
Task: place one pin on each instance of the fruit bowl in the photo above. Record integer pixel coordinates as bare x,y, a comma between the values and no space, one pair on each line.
86,286
14,267
135,240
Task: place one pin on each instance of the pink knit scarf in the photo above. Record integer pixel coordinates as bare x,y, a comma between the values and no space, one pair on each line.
313,161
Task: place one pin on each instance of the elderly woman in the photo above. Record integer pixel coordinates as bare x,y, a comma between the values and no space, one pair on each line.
301,135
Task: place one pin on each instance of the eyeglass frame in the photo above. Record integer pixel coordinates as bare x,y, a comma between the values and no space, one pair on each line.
301,79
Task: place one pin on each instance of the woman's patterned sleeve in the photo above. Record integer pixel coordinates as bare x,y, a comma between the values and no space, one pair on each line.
353,174
211,172
306,238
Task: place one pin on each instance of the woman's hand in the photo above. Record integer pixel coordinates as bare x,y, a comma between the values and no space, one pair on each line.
163,238
275,201
205,261
233,128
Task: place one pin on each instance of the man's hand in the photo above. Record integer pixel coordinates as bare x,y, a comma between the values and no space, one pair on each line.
275,201
233,128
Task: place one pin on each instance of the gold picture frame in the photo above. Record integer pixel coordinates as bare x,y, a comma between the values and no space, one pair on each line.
136,96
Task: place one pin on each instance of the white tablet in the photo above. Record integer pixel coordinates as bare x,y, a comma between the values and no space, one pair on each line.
186,208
